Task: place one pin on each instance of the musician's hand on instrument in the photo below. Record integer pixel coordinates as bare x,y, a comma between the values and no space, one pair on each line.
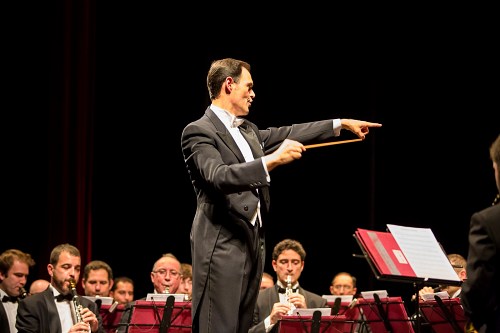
80,327
278,311
298,300
90,318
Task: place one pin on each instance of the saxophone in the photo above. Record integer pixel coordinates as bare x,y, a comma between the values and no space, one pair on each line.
76,307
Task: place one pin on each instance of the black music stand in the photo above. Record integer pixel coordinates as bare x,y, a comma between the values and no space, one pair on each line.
444,315
148,316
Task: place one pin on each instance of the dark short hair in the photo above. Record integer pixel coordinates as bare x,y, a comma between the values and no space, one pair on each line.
95,265
289,244
56,252
220,70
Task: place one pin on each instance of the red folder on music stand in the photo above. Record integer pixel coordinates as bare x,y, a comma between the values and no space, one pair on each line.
147,315
328,324
387,316
111,320
444,320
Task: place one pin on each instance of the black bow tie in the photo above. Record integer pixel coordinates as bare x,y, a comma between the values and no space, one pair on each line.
62,297
12,299
283,290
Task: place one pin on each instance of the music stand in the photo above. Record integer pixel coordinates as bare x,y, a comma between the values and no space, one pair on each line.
304,324
408,255
444,315
147,317
385,315
111,320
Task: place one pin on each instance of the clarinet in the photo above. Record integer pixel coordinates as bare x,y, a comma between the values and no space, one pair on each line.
22,293
288,291
76,307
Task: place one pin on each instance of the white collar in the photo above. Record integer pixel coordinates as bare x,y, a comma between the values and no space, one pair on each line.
229,120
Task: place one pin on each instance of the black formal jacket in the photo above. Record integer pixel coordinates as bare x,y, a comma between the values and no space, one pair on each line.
38,313
267,298
481,290
4,321
228,191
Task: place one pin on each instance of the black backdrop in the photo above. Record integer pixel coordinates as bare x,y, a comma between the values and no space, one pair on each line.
428,166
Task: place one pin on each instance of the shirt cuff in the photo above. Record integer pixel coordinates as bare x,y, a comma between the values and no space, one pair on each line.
337,126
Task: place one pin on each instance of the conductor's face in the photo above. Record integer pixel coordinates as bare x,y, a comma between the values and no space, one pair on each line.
288,263
241,93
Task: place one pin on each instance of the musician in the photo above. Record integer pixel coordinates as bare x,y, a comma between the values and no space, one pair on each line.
288,259
14,270
459,264
55,310
480,292
229,160
38,286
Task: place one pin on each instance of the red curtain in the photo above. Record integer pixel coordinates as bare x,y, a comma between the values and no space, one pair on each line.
70,127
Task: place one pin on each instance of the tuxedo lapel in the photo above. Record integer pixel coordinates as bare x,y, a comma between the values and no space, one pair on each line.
249,135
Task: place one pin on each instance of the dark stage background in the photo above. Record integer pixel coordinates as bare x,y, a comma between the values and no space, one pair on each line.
144,80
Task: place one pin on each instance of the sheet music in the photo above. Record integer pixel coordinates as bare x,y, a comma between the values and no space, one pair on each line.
423,252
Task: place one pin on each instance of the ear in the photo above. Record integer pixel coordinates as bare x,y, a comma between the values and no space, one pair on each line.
274,265
50,269
229,84
462,275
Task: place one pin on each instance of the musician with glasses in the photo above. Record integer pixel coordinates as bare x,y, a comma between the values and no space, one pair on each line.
343,283
166,274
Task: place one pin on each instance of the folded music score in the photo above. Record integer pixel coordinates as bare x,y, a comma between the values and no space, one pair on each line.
147,316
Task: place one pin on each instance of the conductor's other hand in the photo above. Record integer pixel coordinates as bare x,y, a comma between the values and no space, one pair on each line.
358,127
288,151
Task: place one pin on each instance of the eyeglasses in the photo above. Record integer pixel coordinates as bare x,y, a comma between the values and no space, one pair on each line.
172,272
339,286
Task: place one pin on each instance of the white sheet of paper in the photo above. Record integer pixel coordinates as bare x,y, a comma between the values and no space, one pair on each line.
423,252
104,299
309,312
343,298
163,297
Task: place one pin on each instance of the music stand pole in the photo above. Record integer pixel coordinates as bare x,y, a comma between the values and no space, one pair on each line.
417,308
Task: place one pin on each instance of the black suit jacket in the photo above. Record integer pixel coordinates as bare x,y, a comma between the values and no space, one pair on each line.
227,191
268,297
38,313
481,291
4,321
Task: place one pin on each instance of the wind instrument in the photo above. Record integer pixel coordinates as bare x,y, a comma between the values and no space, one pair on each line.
22,292
76,307
288,292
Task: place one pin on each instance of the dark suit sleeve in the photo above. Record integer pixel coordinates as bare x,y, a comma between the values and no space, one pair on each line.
32,315
479,295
